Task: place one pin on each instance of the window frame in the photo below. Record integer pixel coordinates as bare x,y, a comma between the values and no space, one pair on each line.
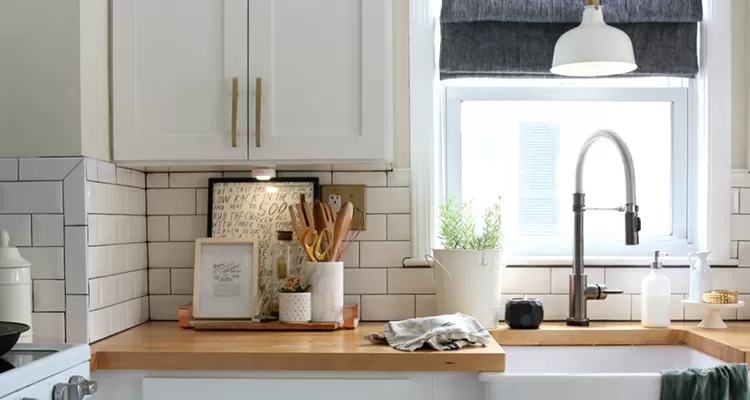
710,109
679,242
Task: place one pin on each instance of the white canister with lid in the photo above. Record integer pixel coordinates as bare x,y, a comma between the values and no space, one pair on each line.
15,287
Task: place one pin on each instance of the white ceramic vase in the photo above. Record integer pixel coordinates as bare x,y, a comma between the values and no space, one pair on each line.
469,282
295,307
327,280
15,287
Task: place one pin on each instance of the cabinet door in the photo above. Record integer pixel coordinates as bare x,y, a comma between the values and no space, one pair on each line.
325,67
277,389
173,66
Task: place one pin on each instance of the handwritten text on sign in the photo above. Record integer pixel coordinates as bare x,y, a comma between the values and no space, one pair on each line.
256,210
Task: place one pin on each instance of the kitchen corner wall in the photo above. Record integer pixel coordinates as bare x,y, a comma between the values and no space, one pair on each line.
177,208
117,281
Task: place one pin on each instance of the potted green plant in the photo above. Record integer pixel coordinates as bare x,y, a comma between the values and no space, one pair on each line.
469,274
295,302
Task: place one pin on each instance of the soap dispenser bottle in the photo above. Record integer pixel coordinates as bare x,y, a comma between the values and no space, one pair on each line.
655,291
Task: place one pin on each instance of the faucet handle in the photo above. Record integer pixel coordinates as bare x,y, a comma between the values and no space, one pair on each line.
599,292
618,208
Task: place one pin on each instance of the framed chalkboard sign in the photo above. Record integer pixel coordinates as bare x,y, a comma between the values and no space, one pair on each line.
246,208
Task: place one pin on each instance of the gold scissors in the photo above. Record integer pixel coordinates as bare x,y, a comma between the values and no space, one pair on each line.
318,244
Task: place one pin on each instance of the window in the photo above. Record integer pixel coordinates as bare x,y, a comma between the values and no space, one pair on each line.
520,139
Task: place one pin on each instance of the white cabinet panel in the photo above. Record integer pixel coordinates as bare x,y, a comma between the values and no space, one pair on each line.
173,63
278,389
326,69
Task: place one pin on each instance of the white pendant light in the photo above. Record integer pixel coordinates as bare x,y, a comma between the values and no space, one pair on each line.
593,48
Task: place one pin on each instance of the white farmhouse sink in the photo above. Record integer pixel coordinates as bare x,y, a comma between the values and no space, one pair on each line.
576,372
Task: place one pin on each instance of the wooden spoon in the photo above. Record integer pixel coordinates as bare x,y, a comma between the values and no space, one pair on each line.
341,227
320,216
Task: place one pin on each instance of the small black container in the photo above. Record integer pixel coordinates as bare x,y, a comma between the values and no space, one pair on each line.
524,313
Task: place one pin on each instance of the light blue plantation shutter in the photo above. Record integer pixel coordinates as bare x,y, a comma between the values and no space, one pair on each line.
538,151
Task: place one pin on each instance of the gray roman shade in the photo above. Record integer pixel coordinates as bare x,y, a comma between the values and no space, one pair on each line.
512,38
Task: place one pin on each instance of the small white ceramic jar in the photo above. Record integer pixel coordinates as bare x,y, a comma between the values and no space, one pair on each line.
15,287
327,281
295,307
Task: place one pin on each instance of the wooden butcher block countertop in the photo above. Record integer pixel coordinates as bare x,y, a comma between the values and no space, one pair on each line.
165,346
731,344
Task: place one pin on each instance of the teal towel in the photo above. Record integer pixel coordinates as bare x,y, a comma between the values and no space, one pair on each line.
725,382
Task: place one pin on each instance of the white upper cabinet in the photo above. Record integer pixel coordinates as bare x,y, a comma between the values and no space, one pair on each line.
173,67
325,73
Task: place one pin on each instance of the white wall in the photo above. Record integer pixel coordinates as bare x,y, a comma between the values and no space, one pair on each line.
401,133
54,78
740,74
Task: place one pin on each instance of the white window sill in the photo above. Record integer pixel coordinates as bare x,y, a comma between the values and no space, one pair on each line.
621,261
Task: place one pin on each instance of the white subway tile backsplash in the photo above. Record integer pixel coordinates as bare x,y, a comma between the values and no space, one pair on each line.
124,229
733,249
360,178
392,200
164,307
676,310
76,268
201,201
734,200
387,307
118,319
399,178
126,286
31,197
107,172
187,227
191,180
46,169
117,199
626,279
739,227
399,227
732,278
49,295
48,229
561,278
744,201
18,228
182,281
365,281
555,305
8,169
350,258
107,228
108,288
526,280
375,228
171,255
157,181
743,313
98,261
49,327
97,197
426,305
92,173
170,201
324,177
74,196
46,262
740,179
360,167
95,294
615,308
411,281
743,253
124,176
354,299
679,279
383,254
117,259
99,320
158,229
304,167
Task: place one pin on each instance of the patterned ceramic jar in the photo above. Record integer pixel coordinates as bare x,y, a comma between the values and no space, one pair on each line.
295,307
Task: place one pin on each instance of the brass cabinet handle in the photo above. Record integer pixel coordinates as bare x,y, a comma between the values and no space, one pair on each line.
235,95
258,94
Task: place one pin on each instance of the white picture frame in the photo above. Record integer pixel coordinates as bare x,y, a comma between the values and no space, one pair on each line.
225,284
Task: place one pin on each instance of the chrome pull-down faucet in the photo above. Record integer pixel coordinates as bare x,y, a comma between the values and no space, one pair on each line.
580,291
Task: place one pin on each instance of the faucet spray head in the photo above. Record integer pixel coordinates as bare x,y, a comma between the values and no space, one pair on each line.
632,225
